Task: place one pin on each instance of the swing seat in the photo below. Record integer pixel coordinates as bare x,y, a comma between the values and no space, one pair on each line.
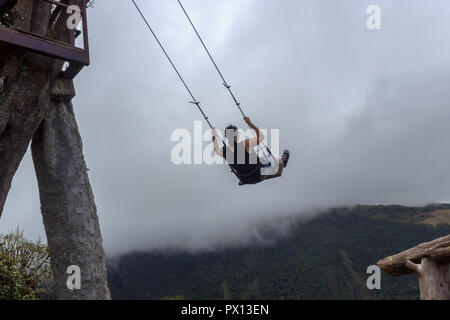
242,178
263,177
268,178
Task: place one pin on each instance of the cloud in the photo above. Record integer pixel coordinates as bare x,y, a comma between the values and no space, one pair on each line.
364,114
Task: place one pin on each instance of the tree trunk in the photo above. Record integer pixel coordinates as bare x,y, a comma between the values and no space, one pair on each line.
25,95
68,208
67,204
434,279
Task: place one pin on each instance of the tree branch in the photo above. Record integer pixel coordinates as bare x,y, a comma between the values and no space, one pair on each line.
415,267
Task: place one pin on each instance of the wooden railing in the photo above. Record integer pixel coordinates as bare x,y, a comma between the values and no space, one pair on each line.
77,57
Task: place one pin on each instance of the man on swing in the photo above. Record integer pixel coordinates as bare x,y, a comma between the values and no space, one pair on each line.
243,160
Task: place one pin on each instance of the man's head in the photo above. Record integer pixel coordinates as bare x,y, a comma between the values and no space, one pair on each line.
231,133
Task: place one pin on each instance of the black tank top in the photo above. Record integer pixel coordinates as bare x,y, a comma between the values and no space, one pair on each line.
245,164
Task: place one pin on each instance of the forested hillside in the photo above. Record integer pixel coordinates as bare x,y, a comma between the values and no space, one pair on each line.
323,258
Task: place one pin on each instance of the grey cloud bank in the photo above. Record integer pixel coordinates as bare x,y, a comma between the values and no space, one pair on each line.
364,113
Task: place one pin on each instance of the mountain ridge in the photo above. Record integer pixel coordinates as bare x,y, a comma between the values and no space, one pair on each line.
323,257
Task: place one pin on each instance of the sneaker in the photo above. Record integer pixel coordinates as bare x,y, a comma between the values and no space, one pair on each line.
285,157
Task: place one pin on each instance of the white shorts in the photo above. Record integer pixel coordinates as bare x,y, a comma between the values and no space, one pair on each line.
271,167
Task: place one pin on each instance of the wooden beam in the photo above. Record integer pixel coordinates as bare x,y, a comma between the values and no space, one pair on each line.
438,250
42,45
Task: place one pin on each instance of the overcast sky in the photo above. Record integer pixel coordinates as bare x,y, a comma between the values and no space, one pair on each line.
364,113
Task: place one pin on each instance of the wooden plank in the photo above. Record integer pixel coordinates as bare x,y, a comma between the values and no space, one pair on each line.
43,45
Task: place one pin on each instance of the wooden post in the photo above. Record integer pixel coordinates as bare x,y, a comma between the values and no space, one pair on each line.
430,261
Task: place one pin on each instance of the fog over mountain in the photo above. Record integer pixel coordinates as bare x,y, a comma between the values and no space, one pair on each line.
364,113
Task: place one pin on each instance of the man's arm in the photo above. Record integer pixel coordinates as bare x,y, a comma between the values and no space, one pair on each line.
253,142
217,148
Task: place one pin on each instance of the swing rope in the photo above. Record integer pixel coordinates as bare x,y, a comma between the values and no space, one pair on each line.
194,100
225,83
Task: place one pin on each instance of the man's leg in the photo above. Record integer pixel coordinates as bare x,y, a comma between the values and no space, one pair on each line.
281,165
280,168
